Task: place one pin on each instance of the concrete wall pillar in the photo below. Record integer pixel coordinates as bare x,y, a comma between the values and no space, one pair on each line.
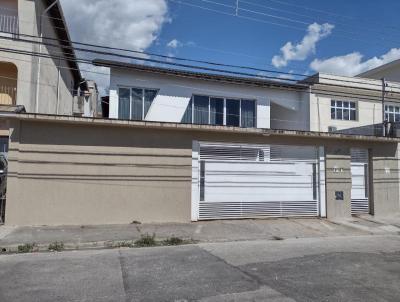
385,180
13,186
338,182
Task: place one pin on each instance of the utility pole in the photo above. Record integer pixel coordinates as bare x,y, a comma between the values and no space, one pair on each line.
384,121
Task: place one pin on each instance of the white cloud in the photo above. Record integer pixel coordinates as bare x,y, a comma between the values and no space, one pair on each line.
300,51
131,24
174,44
353,64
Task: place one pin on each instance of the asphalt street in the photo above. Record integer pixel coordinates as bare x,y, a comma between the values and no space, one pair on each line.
352,268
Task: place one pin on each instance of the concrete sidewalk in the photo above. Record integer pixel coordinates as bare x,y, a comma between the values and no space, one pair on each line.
82,237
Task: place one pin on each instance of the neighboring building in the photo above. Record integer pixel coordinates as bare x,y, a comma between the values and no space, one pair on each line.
87,101
385,73
42,85
349,103
389,71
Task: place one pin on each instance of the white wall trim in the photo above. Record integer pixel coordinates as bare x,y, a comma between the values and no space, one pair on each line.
322,183
195,181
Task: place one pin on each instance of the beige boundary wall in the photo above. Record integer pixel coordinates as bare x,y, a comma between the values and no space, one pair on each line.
77,171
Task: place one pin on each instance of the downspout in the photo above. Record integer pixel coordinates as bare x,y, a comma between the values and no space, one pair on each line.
58,85
40,52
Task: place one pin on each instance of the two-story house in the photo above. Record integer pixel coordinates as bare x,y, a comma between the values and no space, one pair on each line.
321,103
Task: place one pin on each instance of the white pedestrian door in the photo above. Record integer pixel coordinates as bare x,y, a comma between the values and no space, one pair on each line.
246,181
359,180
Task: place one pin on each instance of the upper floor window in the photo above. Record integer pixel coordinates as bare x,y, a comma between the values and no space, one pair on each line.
221,111
134,103
343,110
392,113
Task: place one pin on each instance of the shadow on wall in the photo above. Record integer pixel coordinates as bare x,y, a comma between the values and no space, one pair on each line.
391,130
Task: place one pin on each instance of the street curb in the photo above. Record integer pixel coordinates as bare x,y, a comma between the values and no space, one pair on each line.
96,245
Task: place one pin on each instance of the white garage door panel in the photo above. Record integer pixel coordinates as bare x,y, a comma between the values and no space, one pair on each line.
258,182
359,179
245,181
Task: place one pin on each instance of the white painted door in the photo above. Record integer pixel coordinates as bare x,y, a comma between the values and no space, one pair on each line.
359,180
245,181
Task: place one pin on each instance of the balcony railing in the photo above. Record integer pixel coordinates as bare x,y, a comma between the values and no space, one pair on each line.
8,94
8,23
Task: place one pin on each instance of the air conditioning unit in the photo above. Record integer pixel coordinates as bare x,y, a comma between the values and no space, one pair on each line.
332,129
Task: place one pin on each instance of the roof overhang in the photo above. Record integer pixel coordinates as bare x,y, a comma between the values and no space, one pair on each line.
215,77
61,29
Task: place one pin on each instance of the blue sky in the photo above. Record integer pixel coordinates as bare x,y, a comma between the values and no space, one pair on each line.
359,26
341,37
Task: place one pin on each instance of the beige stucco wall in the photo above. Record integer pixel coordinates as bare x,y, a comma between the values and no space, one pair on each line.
338,178
63,173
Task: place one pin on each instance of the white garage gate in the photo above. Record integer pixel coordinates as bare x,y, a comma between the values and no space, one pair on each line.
248,181
359,181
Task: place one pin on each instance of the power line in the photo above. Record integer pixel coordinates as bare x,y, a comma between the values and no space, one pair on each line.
350,37
183,59
328,13
317,90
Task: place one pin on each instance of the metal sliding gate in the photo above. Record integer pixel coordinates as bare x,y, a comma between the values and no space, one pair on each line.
249,181
360,182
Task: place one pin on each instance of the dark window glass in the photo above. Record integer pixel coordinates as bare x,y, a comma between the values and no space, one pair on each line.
149,96
187,117
339,115
124,103
339,103
201,109
333,103
232,112
216,111
352,105
137,104
353,116
346,115
333,113
248,113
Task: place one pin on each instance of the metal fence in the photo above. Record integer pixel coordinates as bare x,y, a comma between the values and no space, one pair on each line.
8,23
8,94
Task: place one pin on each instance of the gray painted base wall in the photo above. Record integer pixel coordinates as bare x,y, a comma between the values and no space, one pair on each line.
66,173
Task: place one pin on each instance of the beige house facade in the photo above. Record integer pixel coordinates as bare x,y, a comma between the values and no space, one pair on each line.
80,171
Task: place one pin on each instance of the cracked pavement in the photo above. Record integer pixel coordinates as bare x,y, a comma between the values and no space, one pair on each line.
351,268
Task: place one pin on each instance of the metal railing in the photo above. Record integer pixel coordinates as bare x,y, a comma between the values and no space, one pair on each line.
8,94
8,22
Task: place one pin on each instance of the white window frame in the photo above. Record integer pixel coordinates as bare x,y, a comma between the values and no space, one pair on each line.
225,109
130,99
342,108
391,113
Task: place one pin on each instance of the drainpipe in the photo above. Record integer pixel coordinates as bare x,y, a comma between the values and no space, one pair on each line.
40,52
384,122
58,85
